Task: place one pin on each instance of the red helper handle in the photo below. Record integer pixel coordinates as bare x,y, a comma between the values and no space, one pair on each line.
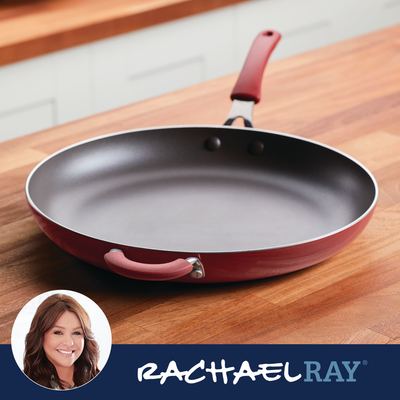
248,86
118,263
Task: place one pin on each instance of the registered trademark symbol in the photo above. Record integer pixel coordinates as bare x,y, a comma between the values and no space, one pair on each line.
365,362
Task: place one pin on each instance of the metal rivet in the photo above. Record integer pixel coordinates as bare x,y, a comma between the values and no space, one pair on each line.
256,147
196,273
213,143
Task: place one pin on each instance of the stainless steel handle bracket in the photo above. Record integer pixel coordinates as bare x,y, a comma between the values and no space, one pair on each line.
241,109
198,271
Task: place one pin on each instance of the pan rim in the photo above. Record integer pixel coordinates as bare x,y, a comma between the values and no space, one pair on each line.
291,136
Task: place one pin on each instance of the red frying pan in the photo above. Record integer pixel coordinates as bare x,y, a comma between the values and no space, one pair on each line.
203,203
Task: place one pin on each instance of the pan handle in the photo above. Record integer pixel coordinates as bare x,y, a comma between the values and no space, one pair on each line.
117,262
247,90
248,85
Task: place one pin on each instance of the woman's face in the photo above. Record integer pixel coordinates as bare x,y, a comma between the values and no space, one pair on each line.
64,342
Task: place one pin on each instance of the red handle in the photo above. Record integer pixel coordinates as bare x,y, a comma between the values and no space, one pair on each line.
248,86
118,263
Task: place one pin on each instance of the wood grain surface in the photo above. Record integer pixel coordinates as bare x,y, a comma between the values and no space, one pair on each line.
30,28
346,95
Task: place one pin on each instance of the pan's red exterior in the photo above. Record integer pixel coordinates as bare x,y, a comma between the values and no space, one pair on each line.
219,267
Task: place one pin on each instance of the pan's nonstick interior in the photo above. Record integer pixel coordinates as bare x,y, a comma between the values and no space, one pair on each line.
165,189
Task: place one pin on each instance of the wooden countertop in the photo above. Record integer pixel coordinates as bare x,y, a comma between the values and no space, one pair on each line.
30,28
345,95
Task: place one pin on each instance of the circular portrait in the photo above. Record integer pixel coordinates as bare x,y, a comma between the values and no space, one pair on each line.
61,340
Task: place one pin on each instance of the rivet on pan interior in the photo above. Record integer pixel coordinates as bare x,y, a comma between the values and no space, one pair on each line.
213,143
256,147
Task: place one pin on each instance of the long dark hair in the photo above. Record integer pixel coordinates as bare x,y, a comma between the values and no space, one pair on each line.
37,366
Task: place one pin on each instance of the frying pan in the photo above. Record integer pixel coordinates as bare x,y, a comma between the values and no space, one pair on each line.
203,203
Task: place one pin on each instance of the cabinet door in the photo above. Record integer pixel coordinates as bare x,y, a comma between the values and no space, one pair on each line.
164,58
27,101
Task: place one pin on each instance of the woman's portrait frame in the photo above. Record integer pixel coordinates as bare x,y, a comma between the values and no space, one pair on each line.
99,333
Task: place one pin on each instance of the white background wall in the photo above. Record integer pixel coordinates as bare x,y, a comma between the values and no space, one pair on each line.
67,85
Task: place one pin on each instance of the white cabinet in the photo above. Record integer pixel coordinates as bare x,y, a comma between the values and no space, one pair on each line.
160,59
67,85
45,91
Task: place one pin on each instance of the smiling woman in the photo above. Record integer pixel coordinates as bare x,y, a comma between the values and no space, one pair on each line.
60,350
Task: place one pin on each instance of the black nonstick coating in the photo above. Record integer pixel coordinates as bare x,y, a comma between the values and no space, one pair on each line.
165,189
